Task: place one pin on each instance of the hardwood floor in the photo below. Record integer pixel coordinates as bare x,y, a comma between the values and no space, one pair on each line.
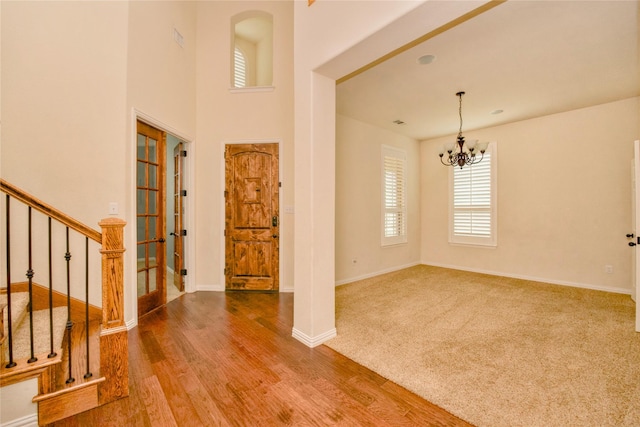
216,359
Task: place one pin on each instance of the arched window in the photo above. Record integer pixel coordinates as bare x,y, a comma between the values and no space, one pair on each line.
239,68
252,49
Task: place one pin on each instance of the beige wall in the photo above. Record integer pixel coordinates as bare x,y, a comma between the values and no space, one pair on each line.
161,89
63,130
334,38
63,97
564,199
358,199
225,117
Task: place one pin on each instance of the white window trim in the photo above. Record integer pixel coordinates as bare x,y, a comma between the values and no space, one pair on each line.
388,151
492,240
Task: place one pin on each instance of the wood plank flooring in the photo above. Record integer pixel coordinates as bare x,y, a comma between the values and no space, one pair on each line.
228,359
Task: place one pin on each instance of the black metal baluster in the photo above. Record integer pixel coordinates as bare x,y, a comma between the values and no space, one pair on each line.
30,275
11,363
88,374
67,256
52,353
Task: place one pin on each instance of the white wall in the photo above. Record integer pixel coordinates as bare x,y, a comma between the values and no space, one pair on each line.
161,88
334,38
63,130
358,199
63,98
225,116
564,199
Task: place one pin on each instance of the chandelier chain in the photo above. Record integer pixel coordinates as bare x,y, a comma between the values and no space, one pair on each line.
461,153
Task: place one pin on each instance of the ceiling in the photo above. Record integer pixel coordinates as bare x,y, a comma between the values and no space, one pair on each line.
527,58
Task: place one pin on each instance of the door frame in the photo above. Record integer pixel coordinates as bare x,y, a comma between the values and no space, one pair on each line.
221,285
131,295
636,224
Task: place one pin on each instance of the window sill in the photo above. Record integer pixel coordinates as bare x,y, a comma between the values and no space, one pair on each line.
475,245
252,89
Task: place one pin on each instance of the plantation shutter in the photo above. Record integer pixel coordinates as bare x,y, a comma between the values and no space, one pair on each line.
240,69
394,213
472,199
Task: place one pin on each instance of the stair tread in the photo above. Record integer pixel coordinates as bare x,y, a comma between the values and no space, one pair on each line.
19,303
42,343
70,388
24,370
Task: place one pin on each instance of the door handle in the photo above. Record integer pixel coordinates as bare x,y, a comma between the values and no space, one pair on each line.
631,244
630,235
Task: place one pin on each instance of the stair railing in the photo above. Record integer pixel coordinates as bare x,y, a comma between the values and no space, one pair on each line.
113,334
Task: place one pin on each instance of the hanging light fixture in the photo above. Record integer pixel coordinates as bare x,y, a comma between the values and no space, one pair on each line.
461,153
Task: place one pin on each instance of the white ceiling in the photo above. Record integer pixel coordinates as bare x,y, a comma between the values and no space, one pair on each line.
528,58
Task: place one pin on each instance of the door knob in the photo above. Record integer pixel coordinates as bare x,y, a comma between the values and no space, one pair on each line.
631,244
161,240
630,235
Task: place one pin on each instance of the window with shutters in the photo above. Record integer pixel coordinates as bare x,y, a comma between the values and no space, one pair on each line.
240,69
394,201
473,202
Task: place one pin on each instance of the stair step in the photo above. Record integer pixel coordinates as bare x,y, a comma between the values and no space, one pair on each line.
42,343
70,401
24,370
19,303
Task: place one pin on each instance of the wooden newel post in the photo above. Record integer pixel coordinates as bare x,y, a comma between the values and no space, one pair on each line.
114,358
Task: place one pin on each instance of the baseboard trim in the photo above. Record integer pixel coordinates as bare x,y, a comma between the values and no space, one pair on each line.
377,273
26,421
532,278
209,288
313,341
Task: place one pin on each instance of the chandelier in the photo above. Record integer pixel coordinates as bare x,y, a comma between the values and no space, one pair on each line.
462,153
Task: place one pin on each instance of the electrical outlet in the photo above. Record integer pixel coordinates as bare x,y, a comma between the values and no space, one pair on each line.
608,269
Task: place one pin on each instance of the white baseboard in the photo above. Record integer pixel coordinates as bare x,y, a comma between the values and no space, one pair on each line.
313,341
377,273
210,288
26,421
532,278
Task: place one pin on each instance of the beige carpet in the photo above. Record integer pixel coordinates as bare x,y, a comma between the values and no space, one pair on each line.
497,351
21,333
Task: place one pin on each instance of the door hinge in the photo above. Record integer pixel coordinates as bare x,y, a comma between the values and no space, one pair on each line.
183,232
183,153
226,194
183,193
280,184
225,232
183,272
225,271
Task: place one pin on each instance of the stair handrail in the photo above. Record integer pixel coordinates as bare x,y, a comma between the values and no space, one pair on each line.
114,364
50,211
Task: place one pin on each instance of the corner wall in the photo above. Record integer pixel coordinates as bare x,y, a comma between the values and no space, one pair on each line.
359,198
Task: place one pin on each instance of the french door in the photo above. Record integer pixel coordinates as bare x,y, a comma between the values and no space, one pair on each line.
150,217
178,211
636,228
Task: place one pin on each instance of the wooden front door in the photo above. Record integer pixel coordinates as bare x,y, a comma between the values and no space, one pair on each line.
252,222
179,231
150,217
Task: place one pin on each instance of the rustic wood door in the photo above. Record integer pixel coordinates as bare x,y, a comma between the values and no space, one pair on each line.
252,221
179,231
150,217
